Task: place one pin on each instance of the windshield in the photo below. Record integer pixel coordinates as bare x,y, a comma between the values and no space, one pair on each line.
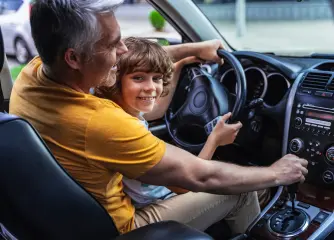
285,27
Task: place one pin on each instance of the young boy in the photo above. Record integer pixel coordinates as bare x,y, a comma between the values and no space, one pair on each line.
143,74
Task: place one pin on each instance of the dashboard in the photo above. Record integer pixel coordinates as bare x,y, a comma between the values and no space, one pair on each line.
270,78
296,116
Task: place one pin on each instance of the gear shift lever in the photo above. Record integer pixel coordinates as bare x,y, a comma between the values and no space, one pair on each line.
292,190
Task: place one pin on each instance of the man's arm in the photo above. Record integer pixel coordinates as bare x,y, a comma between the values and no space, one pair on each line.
182,169
206,50
118,141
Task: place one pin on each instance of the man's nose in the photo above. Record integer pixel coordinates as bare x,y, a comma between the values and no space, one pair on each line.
121,48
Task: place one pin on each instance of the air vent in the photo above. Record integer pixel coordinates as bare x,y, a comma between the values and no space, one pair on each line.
330,87
316,80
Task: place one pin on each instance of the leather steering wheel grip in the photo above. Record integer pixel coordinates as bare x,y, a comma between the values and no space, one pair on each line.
241,82
206,99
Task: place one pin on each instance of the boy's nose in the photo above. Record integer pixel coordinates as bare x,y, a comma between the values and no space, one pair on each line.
150,86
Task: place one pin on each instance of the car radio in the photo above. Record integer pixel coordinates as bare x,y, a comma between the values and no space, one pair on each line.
311,135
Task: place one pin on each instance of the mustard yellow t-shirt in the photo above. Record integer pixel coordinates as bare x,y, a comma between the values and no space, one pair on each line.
84,131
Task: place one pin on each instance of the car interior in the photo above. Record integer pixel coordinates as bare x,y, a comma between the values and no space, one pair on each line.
284,103
39,200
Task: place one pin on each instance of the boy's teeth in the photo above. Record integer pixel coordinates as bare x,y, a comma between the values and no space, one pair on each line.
147,98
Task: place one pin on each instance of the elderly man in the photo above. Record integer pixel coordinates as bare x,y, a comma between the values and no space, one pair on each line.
97,142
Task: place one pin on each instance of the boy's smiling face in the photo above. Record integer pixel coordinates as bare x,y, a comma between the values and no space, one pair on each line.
140,91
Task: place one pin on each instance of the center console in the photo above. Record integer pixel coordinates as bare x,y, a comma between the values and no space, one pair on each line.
308,133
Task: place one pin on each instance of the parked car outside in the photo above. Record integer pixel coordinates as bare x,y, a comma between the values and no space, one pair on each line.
15,25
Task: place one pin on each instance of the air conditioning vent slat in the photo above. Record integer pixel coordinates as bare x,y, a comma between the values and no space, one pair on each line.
316,75
312,85
317,81
331,86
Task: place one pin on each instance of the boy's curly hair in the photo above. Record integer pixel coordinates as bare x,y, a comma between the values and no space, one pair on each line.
143,56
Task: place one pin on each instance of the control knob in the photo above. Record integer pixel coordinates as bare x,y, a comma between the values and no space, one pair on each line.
328,177
298,121
296,145
330,154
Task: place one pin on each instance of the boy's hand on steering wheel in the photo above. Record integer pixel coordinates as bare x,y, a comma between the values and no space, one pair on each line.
225,133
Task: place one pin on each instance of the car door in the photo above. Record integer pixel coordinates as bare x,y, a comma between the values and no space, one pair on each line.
6,82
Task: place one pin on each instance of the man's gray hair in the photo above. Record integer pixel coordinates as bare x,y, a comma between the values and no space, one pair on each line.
57,25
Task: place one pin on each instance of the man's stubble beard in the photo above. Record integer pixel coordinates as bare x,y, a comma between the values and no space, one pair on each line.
109,80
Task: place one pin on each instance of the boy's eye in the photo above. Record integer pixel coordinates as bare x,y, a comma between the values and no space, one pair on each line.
138,78
157,79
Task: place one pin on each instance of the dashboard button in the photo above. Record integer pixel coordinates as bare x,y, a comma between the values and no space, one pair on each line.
321,217
303,205
328,176
324,94
306,91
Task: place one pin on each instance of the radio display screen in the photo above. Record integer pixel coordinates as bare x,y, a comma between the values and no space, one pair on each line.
323,116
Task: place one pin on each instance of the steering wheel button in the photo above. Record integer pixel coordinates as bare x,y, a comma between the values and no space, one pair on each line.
210,128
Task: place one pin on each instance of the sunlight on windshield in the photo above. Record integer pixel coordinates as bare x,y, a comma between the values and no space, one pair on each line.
287,27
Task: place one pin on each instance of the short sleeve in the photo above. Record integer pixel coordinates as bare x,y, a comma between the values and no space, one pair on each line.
116,138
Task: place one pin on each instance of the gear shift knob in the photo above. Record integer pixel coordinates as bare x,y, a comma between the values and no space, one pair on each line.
292,190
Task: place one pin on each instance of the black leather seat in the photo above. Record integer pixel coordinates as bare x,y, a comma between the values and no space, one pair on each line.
39,200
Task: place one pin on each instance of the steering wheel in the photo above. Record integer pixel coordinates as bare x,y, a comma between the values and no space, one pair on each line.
206,101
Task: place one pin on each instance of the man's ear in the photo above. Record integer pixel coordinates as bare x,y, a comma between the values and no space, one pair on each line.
72,59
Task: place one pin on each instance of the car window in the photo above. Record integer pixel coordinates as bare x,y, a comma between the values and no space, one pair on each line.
289,27
139,19
7,6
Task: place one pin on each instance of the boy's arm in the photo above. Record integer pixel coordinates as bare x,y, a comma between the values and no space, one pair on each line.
206,50
209,149
221,135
